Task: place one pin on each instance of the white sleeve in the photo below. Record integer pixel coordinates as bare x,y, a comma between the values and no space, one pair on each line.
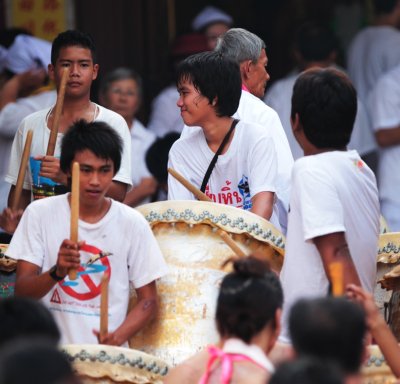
262,166
16,155
320,206
27,242
124,174
176,191
384,103
11,116
146,262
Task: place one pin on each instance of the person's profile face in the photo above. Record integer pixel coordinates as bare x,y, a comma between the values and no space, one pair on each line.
259,76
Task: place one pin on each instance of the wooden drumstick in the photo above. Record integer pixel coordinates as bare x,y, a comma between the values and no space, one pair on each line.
57,113
336,276
203,197
22,171
72,273
104,305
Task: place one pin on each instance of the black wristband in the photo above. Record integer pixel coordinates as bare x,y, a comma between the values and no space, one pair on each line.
53,274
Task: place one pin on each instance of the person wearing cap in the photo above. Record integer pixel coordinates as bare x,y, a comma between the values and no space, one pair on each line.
248,50
165,116
213,23
26,91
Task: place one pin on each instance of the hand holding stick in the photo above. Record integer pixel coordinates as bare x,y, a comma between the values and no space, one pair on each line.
203,197
22,171
74,211
104,306
57,113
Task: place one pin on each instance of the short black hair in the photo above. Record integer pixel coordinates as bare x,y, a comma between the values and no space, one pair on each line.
307,370
97,136
23,317
71,38
35,361
382,7
315,41
248,299
326,102
331,329
157,156
215,77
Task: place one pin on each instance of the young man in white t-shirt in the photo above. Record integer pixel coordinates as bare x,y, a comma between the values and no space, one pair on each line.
114,236
76,51
334,206
244,175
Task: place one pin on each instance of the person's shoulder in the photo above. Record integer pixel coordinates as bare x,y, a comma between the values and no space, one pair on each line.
140,131
37,116
251,107
109,116
127,214
48,204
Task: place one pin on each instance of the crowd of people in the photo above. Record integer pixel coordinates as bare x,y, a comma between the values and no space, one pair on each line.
234,140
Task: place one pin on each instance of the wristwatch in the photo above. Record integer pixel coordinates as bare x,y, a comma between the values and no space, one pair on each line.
53,273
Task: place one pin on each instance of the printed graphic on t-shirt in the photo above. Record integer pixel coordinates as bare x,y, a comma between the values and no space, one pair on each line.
244,190
76,295
225,195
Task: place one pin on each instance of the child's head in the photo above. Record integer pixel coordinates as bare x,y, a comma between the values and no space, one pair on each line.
72,38
214,77
325,102
97,137
331,329
307,371
248,300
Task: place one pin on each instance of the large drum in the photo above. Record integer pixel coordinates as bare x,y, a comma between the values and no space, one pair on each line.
103,364
187,232
375,369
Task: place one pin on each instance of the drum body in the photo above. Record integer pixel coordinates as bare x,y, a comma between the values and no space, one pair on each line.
7,273
103,364
375,369
187,234
387,292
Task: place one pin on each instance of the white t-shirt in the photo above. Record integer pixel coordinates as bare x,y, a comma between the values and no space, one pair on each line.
38,123
331,192
142,139
165,115
373,51
253,110
384,104
245,169
10,118
136,260
279,97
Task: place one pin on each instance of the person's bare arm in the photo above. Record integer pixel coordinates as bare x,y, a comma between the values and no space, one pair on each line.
117,191
388,137
32,283
146,188
334,248
263,204
379,329
144,310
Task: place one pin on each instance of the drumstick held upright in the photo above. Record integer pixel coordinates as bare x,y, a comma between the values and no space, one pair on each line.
203,197
22,171
72,273
104,305
57,113
336,277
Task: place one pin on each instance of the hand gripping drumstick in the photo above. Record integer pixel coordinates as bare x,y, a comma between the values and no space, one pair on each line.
72,273
22,171
104,305
57,114
203,197
336,277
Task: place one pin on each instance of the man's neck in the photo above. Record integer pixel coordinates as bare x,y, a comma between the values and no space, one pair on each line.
215,132
93,213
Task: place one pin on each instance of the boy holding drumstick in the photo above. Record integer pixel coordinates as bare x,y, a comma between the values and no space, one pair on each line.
76,51
116,233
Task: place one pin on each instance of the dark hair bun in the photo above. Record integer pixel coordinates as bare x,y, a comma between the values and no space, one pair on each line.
250,267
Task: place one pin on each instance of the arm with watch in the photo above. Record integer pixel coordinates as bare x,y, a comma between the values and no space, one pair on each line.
33,282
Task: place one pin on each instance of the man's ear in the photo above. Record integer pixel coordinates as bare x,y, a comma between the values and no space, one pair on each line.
295,122
50,68
245,69
95,71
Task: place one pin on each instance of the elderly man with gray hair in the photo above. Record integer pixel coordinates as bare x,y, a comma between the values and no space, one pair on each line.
248,50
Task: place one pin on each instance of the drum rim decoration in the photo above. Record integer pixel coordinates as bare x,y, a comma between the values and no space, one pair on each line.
214,214
389,248
98,353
